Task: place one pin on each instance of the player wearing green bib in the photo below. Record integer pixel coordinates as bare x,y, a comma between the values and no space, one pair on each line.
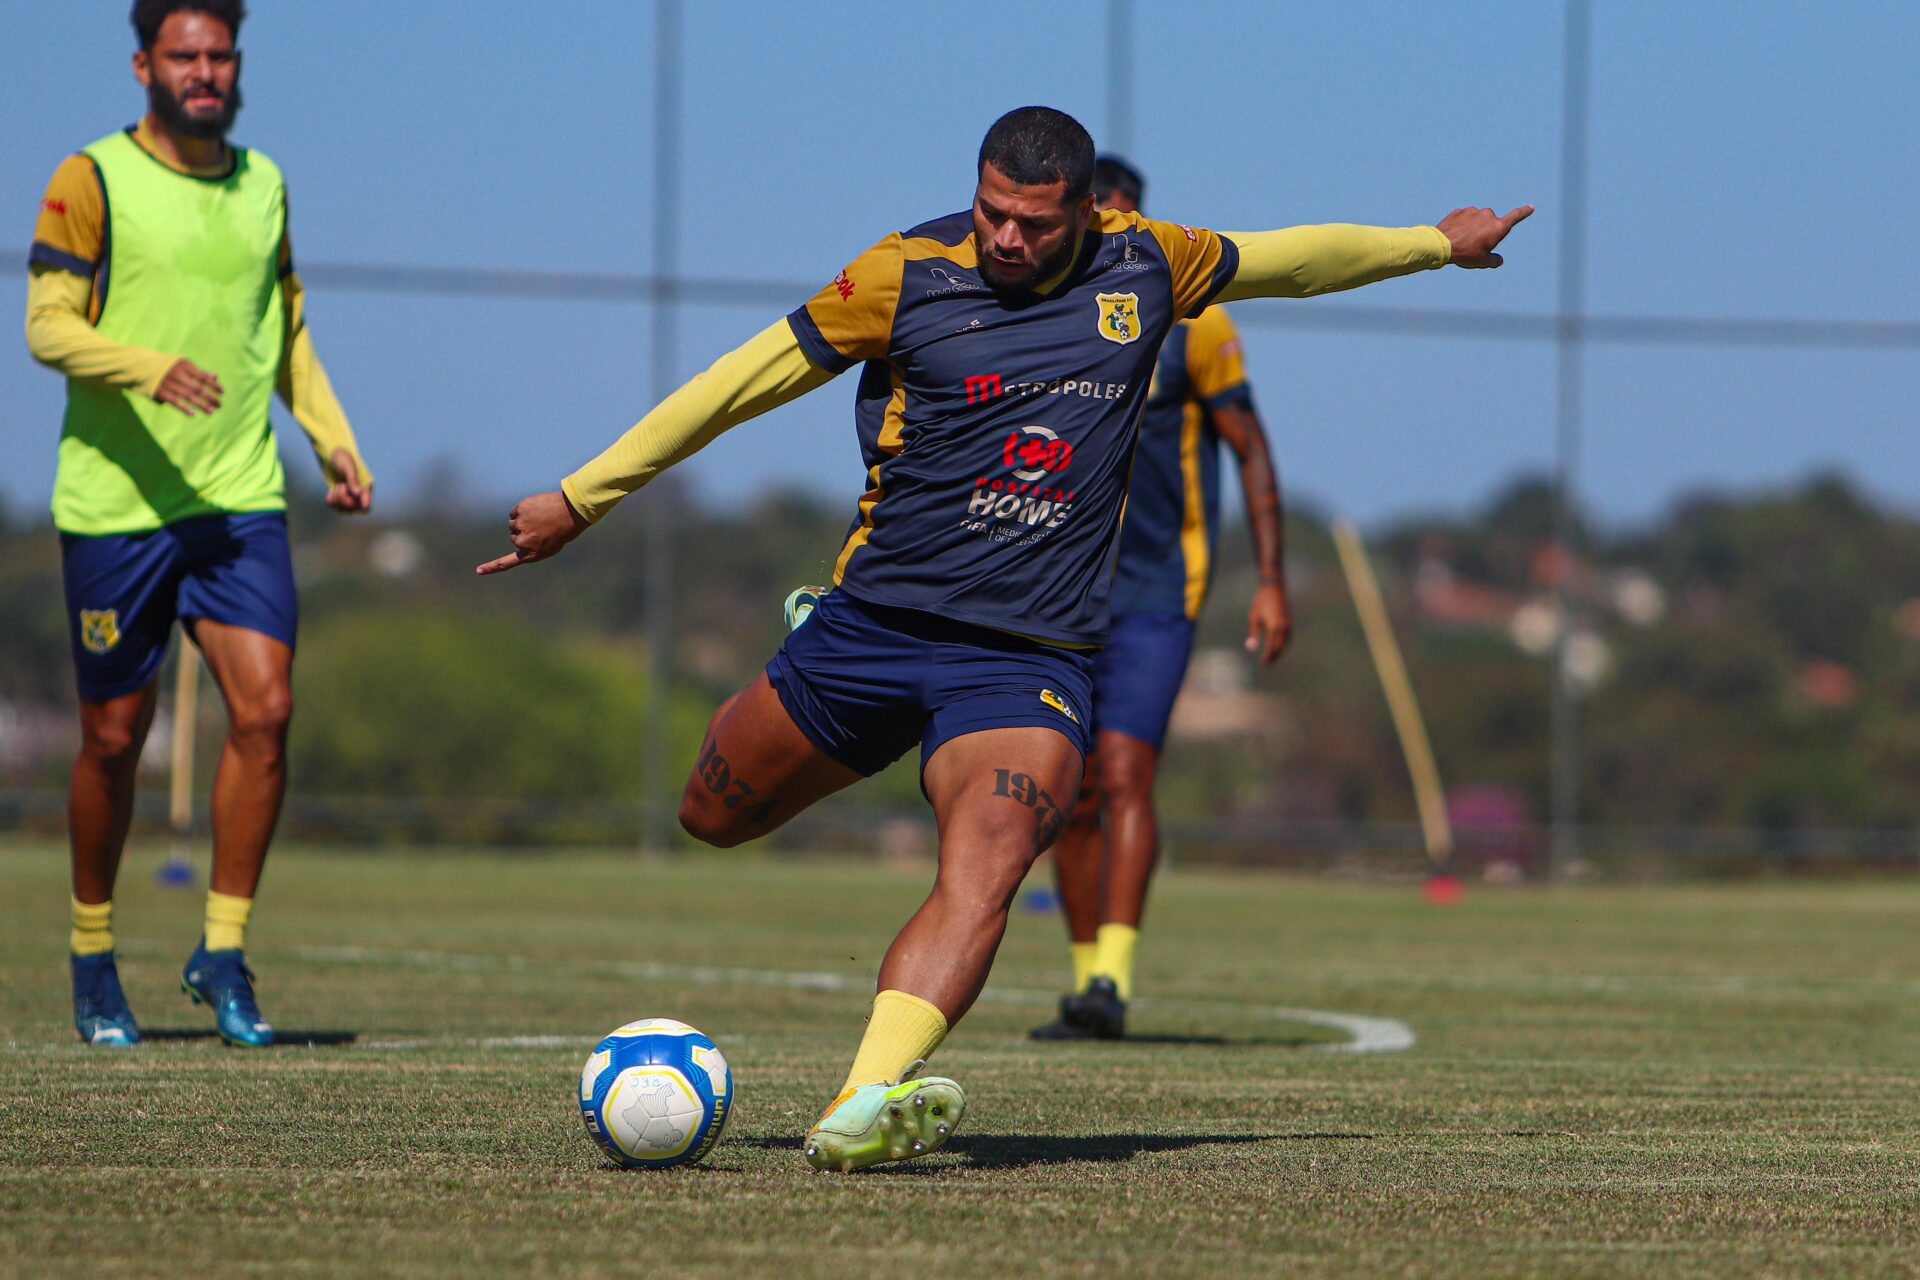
163,288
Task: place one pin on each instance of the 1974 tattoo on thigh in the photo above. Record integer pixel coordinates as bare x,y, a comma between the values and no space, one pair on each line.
1022,788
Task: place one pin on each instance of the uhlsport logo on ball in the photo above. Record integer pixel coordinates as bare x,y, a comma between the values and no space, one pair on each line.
656,1093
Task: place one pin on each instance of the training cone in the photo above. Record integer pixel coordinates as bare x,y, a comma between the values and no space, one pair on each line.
1443,889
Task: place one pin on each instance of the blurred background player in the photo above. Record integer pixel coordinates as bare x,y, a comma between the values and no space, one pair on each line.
1105,857
163,288
1006,351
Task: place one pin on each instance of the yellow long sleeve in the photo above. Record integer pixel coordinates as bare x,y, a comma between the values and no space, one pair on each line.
60,337
308,393
764,373
1300,262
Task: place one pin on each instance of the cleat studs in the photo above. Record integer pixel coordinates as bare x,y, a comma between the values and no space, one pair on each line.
943,1129
918,1147
919,1100
897,1113
938,1111
812,1152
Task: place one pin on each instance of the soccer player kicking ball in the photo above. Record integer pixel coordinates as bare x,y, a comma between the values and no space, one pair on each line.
1005,356
163,288
1198,398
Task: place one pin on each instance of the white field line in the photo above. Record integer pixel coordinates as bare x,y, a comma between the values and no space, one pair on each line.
1364,1034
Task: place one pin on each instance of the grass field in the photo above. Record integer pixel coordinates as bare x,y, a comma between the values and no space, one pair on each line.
1606,1082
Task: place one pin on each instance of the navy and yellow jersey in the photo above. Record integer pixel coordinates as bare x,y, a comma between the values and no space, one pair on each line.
1173,510
998,430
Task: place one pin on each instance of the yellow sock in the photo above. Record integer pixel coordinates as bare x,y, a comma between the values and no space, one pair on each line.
227,921
1083,953
1113,955
903,1030
92,928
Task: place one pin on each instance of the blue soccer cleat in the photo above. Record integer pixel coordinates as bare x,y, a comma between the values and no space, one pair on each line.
100,1012
801,603
221,979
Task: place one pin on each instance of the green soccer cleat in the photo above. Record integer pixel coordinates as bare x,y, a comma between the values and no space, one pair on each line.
875,1123
800,605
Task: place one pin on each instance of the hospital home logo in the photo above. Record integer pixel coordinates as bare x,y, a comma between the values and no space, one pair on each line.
1119,316
99,629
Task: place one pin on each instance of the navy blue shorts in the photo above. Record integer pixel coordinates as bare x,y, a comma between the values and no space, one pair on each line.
124,591
1137,676
865,682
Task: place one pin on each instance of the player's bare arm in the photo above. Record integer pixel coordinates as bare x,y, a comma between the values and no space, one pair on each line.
1269,618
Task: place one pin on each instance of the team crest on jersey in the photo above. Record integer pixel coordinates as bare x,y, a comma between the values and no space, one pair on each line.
99,629
1119,316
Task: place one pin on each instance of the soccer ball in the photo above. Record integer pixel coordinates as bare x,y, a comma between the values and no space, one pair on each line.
656,1093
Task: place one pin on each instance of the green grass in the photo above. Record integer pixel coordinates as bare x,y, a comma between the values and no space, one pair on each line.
1607,1081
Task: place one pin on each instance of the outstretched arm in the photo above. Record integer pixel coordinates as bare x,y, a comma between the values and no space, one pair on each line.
1301,262
765,373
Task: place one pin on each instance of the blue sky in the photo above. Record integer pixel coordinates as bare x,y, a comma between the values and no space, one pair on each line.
1748,160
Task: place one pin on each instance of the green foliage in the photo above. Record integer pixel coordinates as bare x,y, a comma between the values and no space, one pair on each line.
401,703
1780,686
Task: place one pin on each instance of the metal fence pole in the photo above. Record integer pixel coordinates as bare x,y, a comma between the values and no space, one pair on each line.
656,820
1119,78
1570,337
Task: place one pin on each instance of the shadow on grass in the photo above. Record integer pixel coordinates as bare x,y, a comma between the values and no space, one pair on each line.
1025,1150
281,1039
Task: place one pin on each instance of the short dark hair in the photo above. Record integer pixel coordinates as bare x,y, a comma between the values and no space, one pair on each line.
1111,174
1038,146
148,15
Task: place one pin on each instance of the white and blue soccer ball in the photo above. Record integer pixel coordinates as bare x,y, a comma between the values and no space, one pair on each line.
656,1093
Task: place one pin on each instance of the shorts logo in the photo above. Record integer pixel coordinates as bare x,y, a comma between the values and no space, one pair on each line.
99,629
1059,704
1119,316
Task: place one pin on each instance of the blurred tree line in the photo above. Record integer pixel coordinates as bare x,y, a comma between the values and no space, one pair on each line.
1746,661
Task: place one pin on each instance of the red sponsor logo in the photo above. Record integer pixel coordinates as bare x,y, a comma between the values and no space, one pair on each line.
55,206
987,485
1033,452
983,387
1189,231
844,285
